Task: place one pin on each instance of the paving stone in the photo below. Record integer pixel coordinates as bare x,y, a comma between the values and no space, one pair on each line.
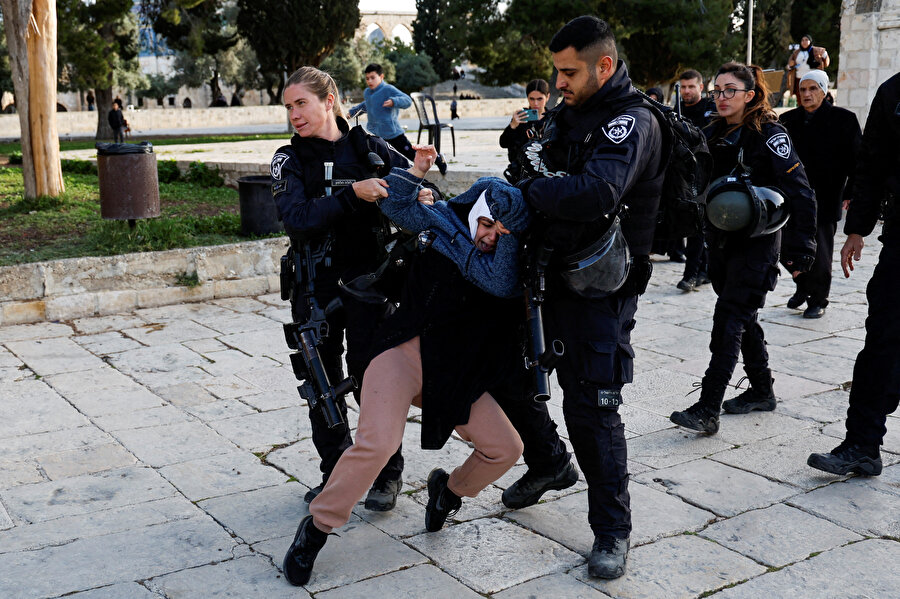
830,406
786,385
221,475
784,335
241,323
554,585
888,481
102,324
103,344
486,505
778,535
47,411
682,566
299,460
52,356
686,344
276,510
254,344
832,370
253,576
31,446
169,331
412,583
490,555
279,315
843,572
97,524
162,549
185,394
84,494
661,382
172,361
260,431
41,330
842,347
182,311
741,429
156,416
231,361
228,386
861,509
104,378
115,402
173,443
132,590
673,446
5,519
405,520
834,320
219,410
781,458
85,460
639,421
15,473
202,346
242,304
718,488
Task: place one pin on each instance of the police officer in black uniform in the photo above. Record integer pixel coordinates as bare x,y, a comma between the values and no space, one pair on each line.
333,212
746,139
876,374
604,155
827,139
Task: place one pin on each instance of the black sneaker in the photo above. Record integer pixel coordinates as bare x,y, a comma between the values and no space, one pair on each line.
847,458
299,559
699,418
814,312
677,257
529,489
750,400
687,284
442,502
797,300
608,556
382,496
701,279
313,493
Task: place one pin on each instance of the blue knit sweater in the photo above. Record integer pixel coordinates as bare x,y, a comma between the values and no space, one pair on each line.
496,273
383,121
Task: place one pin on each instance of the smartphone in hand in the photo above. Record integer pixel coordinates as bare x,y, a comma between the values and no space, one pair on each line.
531,114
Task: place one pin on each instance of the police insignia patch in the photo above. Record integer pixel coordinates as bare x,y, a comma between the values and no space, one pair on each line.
278,161
618,129
780,144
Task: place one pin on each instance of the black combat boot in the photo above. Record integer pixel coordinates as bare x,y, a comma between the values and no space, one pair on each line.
759,396
847,458
529,489
382,496
299,559
700,417
442,502
608,556
313,493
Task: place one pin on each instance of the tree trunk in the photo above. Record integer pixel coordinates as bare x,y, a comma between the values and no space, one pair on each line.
16,14
104,98
41,40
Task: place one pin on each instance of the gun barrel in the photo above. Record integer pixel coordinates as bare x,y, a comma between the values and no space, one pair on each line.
325,396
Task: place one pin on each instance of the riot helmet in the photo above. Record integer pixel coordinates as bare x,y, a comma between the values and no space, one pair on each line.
600,269
734,205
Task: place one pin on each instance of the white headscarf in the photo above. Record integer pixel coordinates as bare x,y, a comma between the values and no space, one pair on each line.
479,209
819,77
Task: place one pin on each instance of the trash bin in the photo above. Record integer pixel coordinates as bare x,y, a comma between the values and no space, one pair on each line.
129,187
258,213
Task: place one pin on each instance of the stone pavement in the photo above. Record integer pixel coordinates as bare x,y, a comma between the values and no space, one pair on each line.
165,453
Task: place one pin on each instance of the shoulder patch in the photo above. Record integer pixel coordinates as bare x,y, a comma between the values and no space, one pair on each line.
279,187
618,129
780,144
278,161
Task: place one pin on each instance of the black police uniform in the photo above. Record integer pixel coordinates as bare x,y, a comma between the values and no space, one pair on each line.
356,230
513,140
744,269
827,141
876,374
610,152
696,255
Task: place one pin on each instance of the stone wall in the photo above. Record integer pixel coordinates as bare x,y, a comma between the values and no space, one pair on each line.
870,51
84,124
80,287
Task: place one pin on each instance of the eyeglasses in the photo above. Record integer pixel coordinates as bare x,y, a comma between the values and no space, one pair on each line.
727,93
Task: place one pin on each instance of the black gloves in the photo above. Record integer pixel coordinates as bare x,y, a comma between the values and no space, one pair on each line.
795,262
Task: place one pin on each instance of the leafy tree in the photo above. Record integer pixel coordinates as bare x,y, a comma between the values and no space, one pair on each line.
345,67
414,71
97,49
771,32
435,20
159,86
288,34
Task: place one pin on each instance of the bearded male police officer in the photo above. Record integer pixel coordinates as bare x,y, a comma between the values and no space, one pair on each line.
876,375
605,155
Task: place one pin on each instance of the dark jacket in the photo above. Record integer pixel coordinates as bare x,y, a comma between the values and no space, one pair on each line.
878,166
701,113
773,162
608,150
116,119
298,187
827,142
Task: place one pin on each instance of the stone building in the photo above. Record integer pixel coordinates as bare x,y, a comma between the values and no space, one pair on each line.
870,51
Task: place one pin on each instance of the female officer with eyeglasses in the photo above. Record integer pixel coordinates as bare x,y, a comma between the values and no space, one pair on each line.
746,138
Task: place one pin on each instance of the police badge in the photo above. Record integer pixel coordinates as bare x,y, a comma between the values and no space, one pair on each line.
619,128
780,144
278,161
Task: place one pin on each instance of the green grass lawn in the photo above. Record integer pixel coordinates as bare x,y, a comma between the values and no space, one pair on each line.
10,147
33,230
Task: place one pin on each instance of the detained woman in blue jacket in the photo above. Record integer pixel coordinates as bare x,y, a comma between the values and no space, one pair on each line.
449,348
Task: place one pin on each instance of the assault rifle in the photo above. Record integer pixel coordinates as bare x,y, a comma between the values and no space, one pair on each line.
539,359
306,337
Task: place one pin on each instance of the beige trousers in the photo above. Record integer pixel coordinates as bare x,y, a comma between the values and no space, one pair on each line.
393,382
